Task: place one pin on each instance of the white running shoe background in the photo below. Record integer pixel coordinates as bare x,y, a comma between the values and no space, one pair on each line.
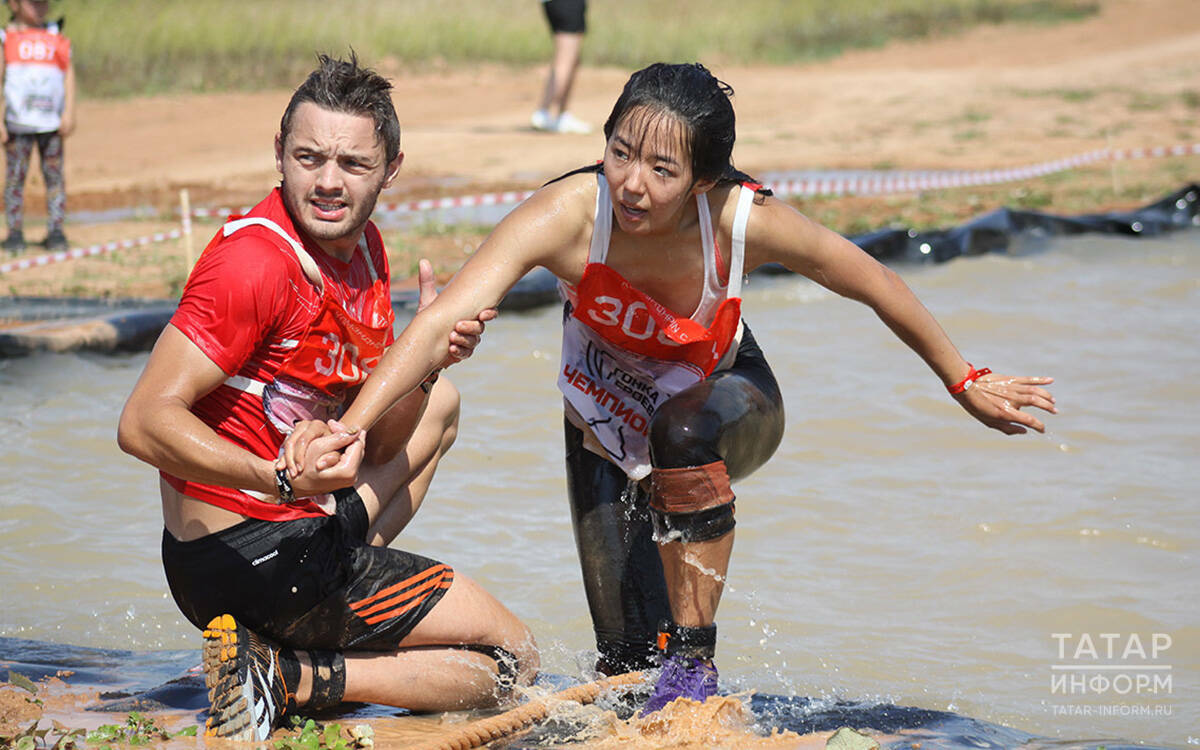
564,123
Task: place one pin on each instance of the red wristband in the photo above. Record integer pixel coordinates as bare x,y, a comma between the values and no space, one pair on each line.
968,381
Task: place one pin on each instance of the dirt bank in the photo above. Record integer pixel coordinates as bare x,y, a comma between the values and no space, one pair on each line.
1000,95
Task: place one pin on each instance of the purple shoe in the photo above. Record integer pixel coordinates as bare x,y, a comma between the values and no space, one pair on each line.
682,677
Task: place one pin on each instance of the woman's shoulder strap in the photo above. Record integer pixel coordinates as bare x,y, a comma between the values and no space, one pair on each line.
737,253
757,187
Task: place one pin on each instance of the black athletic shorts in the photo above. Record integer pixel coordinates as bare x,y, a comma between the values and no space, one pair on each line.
307,583
566,16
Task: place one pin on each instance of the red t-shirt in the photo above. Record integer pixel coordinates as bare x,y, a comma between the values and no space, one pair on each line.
246,305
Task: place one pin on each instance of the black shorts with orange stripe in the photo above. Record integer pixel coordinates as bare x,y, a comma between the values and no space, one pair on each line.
308,583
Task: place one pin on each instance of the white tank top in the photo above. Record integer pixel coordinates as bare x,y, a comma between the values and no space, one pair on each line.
624,354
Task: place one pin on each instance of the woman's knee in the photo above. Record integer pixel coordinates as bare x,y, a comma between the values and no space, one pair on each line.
683,432
726,417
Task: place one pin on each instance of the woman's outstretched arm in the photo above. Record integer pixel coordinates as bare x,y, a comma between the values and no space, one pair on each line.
780,234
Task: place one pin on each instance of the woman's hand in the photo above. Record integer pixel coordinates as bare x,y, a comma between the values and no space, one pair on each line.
997,400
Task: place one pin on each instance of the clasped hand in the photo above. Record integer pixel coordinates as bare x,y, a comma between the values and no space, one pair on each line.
322,456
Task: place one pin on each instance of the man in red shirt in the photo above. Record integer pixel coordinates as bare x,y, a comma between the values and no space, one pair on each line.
302,602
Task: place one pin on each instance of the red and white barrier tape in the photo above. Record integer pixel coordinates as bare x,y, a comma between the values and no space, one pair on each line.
463,201
216,213
85,252
881,184
417,206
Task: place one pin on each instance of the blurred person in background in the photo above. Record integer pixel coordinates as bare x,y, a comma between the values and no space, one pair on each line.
568,24
38,78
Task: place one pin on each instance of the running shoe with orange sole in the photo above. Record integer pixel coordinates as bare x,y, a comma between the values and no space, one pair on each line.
245,675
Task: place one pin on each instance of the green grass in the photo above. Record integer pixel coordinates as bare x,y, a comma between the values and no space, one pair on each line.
1066,95
1141,101
975,115
127,47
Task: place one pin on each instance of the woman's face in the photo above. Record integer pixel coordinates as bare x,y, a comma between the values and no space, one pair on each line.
648,166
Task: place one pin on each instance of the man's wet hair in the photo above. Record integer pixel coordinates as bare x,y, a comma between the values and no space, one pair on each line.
345,86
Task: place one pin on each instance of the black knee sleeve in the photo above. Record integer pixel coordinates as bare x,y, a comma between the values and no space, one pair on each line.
733,415
700,526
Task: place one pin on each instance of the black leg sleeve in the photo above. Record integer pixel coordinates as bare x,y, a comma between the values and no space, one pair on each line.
622,571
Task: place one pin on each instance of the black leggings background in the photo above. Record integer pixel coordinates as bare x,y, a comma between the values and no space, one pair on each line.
18,153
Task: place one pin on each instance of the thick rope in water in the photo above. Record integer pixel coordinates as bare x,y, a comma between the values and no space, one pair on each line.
483,731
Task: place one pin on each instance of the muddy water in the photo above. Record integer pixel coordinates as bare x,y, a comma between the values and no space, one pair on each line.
893,550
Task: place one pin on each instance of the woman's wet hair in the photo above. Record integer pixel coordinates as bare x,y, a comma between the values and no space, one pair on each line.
345,86
699,101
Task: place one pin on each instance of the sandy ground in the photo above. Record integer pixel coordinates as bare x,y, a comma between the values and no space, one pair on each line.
997,96
56,711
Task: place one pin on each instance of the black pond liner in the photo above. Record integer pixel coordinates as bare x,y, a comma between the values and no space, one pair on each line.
149,681
67,324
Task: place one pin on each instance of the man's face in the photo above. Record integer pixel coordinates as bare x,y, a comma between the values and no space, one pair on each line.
334,167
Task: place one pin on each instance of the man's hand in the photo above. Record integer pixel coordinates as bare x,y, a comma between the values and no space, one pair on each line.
467,333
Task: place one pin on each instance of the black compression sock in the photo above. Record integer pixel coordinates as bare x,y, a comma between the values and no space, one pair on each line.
329,679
